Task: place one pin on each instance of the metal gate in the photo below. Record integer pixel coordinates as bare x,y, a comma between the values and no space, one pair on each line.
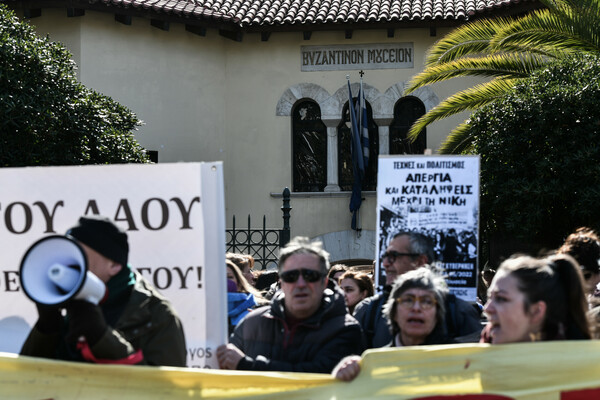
261,243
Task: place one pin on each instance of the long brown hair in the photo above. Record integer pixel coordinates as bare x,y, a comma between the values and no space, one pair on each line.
242,283
557,281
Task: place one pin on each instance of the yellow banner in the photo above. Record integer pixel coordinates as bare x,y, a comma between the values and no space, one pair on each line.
567,370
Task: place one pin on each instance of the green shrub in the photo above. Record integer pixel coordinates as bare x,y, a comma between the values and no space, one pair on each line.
540,155
46,116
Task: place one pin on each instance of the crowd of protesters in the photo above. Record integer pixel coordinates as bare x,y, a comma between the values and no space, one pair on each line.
320,319
308,316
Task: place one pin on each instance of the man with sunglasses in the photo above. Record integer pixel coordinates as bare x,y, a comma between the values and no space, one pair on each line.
406,252
306,328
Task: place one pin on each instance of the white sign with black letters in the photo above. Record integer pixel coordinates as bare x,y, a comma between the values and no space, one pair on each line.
175,220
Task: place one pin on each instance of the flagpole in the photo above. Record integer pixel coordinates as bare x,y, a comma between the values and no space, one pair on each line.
359,146
360,124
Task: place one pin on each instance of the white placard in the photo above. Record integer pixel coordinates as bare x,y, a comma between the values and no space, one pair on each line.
437,196
175,220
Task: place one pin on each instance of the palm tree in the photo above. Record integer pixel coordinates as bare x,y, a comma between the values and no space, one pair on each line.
506,50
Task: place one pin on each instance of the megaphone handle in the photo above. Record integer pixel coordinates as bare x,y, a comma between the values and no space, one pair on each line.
49,318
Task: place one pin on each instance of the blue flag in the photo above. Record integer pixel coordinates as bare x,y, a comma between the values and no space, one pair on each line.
359,165
363,126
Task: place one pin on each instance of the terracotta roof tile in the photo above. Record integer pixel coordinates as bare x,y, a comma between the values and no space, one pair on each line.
251,13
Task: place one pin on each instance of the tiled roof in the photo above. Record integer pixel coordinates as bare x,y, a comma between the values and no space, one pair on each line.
256,13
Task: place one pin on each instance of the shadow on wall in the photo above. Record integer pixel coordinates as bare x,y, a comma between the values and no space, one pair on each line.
14,332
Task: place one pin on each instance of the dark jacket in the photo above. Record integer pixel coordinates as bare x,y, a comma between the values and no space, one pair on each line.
369,314
462,319
147,323
316,344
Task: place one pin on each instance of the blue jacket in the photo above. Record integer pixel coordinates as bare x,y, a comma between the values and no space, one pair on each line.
238,305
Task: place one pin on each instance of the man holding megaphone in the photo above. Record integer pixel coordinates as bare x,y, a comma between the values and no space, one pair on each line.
113,315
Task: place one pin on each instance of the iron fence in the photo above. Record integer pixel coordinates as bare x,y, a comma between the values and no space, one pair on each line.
261,243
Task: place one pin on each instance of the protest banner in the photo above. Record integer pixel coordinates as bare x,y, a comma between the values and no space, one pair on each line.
559,370
175,220
437,196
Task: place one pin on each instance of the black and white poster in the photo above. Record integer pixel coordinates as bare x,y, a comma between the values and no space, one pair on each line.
437,196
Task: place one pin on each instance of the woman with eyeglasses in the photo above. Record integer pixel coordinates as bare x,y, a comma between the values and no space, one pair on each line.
415,312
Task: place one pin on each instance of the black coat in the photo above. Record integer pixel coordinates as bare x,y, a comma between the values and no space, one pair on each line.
316,344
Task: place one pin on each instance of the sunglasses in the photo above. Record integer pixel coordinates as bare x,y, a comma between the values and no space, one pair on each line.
392,255
309,275
408,301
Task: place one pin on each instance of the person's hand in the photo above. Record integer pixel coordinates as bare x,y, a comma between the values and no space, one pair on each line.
486,335
85,319
49,319
347,369
229,356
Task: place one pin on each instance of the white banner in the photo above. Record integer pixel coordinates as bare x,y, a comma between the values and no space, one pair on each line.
437,196
175,220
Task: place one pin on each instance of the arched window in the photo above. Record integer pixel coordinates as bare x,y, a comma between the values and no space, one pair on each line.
345,175
309,148
406,111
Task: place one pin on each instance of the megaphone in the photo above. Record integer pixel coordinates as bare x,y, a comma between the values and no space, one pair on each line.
54,270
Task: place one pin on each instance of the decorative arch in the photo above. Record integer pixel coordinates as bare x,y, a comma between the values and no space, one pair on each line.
331,105
297,92
425,94
382,106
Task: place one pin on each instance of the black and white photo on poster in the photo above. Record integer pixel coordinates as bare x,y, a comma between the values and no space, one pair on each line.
438,197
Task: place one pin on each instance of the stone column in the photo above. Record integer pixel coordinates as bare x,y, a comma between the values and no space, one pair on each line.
384,134
332,155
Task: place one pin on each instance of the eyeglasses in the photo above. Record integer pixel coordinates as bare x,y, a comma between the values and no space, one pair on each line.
392,255
309,275
408,301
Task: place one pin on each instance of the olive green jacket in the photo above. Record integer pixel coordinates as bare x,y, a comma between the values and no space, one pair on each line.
148,323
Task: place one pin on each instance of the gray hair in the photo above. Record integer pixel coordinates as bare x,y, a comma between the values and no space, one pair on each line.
419,244
420,278
303,245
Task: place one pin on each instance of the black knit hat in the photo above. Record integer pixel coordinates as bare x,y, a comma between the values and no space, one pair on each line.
102,235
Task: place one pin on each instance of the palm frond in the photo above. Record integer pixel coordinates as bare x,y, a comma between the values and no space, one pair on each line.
510,65
468,99
550,31
470,39
458,141
505,49
583,15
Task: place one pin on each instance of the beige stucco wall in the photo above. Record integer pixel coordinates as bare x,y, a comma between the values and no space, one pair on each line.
210,98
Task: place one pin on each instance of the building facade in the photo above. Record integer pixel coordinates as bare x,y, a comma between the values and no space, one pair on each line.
261,86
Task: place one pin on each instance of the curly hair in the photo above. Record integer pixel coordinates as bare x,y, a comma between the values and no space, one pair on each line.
584,246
